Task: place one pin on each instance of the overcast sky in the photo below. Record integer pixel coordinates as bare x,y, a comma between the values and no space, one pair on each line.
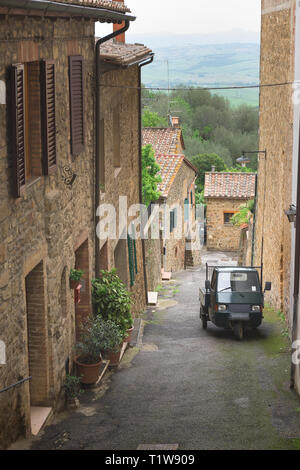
192,16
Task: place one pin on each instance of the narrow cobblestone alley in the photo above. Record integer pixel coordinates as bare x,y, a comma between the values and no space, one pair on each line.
183,385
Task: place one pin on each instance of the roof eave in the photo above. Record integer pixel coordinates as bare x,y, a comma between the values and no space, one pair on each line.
49,8
125,64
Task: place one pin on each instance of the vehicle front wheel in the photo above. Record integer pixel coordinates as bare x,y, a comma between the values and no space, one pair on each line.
203,319
238,331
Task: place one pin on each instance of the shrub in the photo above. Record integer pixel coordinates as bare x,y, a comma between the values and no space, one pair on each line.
76,274
89,347
72,387
110,334
112,300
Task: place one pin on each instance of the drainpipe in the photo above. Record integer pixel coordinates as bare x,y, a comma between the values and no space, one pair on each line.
140,167
98,143
254,222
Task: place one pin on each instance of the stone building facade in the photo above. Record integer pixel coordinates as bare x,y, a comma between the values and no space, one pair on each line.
47,214
121,170
177,191
224,194
278,181
273,232
178,194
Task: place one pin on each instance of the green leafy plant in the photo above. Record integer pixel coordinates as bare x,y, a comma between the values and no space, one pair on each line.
110,334
244,214
150,177
76,274
72,387
285,330
112,300
90,346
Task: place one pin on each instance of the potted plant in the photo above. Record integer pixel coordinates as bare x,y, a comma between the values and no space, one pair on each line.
112,301
72,390
88,358
111,338
75,276
129,328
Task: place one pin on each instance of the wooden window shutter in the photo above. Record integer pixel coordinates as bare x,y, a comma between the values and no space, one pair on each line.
48,115
18,129
76,77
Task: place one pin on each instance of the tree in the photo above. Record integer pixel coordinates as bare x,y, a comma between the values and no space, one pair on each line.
204,163
150,178
152,119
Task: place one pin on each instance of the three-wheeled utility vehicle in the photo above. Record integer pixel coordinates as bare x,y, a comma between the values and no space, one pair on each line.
233,298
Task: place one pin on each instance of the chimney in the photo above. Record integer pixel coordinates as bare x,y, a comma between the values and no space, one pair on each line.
175,122
121,37
213,169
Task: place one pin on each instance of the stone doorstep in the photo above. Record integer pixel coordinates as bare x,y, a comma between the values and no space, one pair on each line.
39,415
152,298
166,276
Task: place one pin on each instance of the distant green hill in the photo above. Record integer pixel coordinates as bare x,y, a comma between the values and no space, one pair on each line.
212,65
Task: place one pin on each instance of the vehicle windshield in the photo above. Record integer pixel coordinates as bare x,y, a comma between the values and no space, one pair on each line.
238,282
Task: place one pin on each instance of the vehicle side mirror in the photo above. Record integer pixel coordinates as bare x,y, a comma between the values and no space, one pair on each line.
268,286
207,285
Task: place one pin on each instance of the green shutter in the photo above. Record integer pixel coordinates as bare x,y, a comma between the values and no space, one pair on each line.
131,259
135,258
171,221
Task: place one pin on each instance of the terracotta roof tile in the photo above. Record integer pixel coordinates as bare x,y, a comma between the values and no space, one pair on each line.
163,140
123,54
230,185
106,4
169,167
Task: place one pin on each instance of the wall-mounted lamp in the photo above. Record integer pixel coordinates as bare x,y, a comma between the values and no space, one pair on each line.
291,213
243,160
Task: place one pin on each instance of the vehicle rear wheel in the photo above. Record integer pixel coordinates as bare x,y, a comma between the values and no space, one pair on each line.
238,331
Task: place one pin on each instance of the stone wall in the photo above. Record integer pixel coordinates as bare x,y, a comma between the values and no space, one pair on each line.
153,263
45,226
122,176
273,230
221,236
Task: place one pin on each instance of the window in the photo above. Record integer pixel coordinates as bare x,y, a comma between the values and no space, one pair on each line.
191,198
238,282
33,121
227,217
76,79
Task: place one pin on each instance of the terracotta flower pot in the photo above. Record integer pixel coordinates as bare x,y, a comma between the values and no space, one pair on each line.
88,373
114,356
127,338
74,284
